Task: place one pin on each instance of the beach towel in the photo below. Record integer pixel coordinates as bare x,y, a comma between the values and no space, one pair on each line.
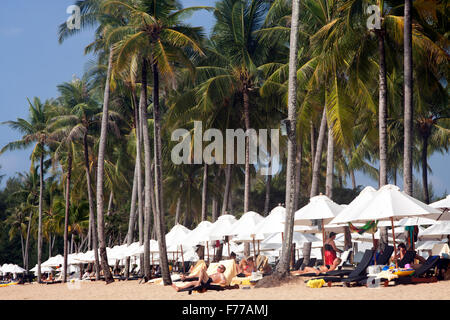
315,283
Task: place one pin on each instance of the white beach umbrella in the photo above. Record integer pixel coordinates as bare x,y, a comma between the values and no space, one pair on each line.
220,228
436,231
444,206
43,269
319,208
273,223
54,261
389,203
355,207
247,222
416,221
197,236
176,235
298,238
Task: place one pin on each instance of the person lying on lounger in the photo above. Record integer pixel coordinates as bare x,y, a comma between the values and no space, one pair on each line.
319,269
202,278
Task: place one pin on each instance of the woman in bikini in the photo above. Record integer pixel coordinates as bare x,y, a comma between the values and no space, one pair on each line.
319,269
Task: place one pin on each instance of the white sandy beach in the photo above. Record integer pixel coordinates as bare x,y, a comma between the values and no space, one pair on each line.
132,290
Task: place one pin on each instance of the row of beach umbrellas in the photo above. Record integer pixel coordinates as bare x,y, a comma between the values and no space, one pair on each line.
389,206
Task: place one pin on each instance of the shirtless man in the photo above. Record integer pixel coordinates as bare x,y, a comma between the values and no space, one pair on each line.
203,278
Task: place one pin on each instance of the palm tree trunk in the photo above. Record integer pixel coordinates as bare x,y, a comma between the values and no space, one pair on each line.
283,266
132,219
267,198
110,203
178,211
382,124
27,241
352,175
298,167
159,214
318,155
149,191
41,194
382,110
424,161
205,192
66,214
100,173
330,163
408,101
92,224
247,152
139,137
226,194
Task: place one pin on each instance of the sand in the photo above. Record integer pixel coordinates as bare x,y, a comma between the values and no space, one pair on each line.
132,290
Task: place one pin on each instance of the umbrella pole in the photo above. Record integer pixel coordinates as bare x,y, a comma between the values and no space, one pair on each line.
393,238
323,243
259,251
207,250
375,252
254,252
182,257
228,241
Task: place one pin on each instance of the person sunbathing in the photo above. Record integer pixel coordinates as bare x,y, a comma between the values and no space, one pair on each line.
401,254
202,278
246,267
319,269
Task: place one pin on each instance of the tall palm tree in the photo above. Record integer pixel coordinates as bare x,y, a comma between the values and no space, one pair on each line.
408,100
284,264
35,132
156,26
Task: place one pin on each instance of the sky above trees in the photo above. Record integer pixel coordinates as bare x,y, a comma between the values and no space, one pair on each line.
33,63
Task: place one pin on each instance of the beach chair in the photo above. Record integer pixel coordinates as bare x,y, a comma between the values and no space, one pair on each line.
344,258
383,258
425,274
298,264
356,275
230,273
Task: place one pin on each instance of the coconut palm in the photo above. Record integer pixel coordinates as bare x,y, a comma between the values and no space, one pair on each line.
35,132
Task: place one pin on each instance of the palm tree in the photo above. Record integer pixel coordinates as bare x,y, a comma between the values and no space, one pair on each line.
35,131
408,100
157,26
283,265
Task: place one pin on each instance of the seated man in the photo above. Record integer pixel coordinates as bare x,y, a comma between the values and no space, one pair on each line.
202,278
319,269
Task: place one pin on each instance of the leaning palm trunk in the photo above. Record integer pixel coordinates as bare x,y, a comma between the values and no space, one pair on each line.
205,192
318,155
159,214
408,101
330,163
100,172
66,214
283,266
247,152
132,219
41,191
92,226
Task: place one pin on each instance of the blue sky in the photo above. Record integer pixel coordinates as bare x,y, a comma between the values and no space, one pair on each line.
33,63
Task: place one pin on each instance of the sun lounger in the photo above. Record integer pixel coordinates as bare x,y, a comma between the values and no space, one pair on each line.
230,273
356,275
425,274
298,264
383,258
408,258
344,257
